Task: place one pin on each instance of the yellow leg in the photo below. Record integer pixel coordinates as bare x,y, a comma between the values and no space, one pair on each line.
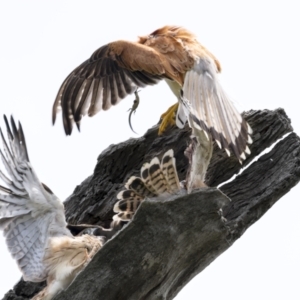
168,118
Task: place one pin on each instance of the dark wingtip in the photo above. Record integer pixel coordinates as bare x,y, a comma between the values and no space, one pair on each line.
13,126
7,126
6,121
53,118
22,138
54,108
78,126
16,133
67,126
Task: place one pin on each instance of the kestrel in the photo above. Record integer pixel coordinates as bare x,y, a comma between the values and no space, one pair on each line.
34,225
171,53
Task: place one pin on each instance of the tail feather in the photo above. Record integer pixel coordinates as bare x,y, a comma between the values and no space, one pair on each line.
129,201
123,216
156,178
168,168
137,184
146,178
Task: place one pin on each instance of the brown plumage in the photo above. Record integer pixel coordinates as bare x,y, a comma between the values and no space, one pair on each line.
65,258
171,53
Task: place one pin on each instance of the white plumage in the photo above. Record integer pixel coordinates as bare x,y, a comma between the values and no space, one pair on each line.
33,222
207,107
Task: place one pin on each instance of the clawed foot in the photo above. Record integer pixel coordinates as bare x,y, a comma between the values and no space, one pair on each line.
168,119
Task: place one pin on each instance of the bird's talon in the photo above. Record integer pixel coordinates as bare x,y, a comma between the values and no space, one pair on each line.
168,119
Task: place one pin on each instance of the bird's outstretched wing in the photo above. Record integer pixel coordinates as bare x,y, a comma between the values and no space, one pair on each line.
29,212
118,69
109,75
156,178
208,108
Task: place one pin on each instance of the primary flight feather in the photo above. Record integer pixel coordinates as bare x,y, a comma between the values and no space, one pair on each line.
33,222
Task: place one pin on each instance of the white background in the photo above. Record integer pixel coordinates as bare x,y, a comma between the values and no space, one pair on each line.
258,45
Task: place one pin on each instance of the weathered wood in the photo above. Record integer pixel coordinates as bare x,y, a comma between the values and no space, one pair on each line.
172,240
93,200
147,259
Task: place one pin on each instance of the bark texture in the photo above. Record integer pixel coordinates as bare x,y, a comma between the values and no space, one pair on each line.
171,240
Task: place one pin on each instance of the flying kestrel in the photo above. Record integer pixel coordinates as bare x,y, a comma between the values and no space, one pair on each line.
34,225
171,53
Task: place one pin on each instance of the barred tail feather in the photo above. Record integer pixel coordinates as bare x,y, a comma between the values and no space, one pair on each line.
168,167
146,178
123,216
138,185
129,201
156,178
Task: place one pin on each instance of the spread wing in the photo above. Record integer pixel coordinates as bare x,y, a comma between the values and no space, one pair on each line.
208,108
117,69
109,75
29,212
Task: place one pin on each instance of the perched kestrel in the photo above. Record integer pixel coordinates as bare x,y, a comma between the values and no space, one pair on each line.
157,178
171,53
34,223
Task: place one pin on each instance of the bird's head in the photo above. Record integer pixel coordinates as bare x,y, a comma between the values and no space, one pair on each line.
171,31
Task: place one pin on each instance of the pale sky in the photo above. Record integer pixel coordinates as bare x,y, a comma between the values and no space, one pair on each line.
257,43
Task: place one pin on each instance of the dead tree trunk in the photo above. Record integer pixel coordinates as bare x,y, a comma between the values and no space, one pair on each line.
170,241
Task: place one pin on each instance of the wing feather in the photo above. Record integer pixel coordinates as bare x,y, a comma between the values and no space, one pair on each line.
121,67
76,93
85,99
30,214
120,84
114,71
209,109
